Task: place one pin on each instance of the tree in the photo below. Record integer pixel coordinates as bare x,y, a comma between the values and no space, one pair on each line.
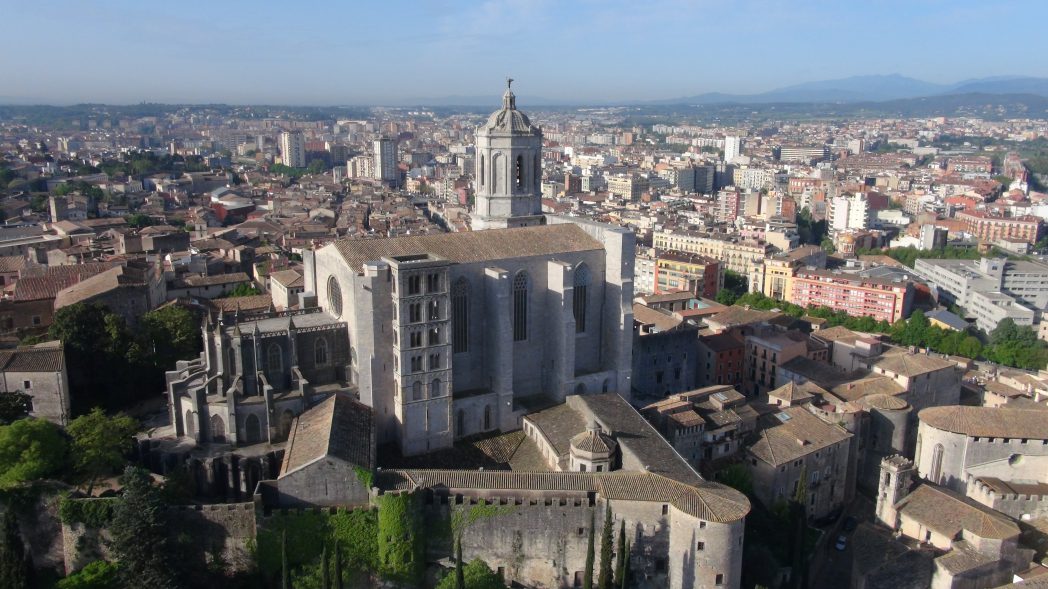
827,245
171,334
620,555
476,575
285,570
624,582
100,444
325,579
14,406
604,579
726,297
338,565
587,573
96,575
243,290
30,450
738,477
316,166
139,531
15,569
460,578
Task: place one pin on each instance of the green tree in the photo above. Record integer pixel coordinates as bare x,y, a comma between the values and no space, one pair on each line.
587,573
338,565
624,581
604,579
316,166
30,450
738,477
14,406
171,334
460,576
620,555
285,570
726,297
96,575
325,572
243,290
475,575
736,283
827,245
16,571
100,444
140,539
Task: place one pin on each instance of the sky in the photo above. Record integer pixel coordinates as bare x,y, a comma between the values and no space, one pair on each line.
352,52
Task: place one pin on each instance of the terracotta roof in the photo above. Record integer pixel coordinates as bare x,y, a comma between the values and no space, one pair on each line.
338,426
907,364
740,316
593,442
792,433
12,263
704,500
288,278
948,513
46,358
885,402
213,279
472,246
794,392
248,303
648,316
721,342
838,333
98,284
47,286
988,422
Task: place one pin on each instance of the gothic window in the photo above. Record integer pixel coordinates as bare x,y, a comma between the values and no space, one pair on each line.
519,172
434,388
481,174
434,336
253,428
414,312
520,307
487,417
218,429
434,361
433,283
274,360
416,363
538,171
460,422
582,280
416,391
232,368
414,284
334,292
415,338
460,315
320,352
433,313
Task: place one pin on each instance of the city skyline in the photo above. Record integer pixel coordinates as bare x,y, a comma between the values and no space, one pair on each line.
410,52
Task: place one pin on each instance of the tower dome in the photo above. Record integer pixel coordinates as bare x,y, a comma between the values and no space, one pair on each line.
508,180
592,450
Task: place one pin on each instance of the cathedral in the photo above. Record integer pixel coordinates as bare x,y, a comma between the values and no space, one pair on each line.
443,336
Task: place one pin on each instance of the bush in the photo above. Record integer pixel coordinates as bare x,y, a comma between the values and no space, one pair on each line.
93,513
97,575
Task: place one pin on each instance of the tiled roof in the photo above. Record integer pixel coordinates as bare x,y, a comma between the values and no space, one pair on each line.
558,424
12,263
47,286
288,278
248,303
780,440
948,513
648,316
838,333
912,364
46,358
473,246
794,392
704,500
339,426
98,284
213,280
988,422
740,316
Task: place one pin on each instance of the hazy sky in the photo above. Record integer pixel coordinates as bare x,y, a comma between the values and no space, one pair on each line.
362,52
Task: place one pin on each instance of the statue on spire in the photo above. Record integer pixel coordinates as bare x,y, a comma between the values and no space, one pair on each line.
509,83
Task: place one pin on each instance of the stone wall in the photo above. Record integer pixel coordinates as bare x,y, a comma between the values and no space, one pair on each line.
223,531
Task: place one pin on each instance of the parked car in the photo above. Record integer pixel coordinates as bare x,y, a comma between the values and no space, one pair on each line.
842,543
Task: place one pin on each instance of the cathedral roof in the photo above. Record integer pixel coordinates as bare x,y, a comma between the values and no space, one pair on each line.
472,246
339,426
508,119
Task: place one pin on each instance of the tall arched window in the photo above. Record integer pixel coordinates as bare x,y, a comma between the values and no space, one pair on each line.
274,359
520,307
460,315
232,368
320,352
253,428
582,280
538,173
416,391
496,170
519,172
936,470
480,174
487,417
218,429
434,388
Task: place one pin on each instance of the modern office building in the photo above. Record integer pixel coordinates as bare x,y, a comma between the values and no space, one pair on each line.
385,160
292,150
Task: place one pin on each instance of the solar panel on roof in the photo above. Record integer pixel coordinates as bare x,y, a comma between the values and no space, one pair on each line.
783,417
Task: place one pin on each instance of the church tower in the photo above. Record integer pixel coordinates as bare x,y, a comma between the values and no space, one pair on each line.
509,169
894,485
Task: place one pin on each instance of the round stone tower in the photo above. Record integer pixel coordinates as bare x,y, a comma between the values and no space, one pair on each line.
509,169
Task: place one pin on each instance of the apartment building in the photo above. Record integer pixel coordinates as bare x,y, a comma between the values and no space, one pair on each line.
628,187
990,289
695,273
736,254
990,228
887,299
768,348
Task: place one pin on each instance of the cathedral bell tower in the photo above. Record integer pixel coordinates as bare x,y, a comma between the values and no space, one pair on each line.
509,169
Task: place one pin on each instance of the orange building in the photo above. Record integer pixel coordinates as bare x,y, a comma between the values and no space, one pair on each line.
856,295
991,228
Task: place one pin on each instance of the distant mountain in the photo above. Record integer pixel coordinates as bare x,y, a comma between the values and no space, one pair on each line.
870,89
